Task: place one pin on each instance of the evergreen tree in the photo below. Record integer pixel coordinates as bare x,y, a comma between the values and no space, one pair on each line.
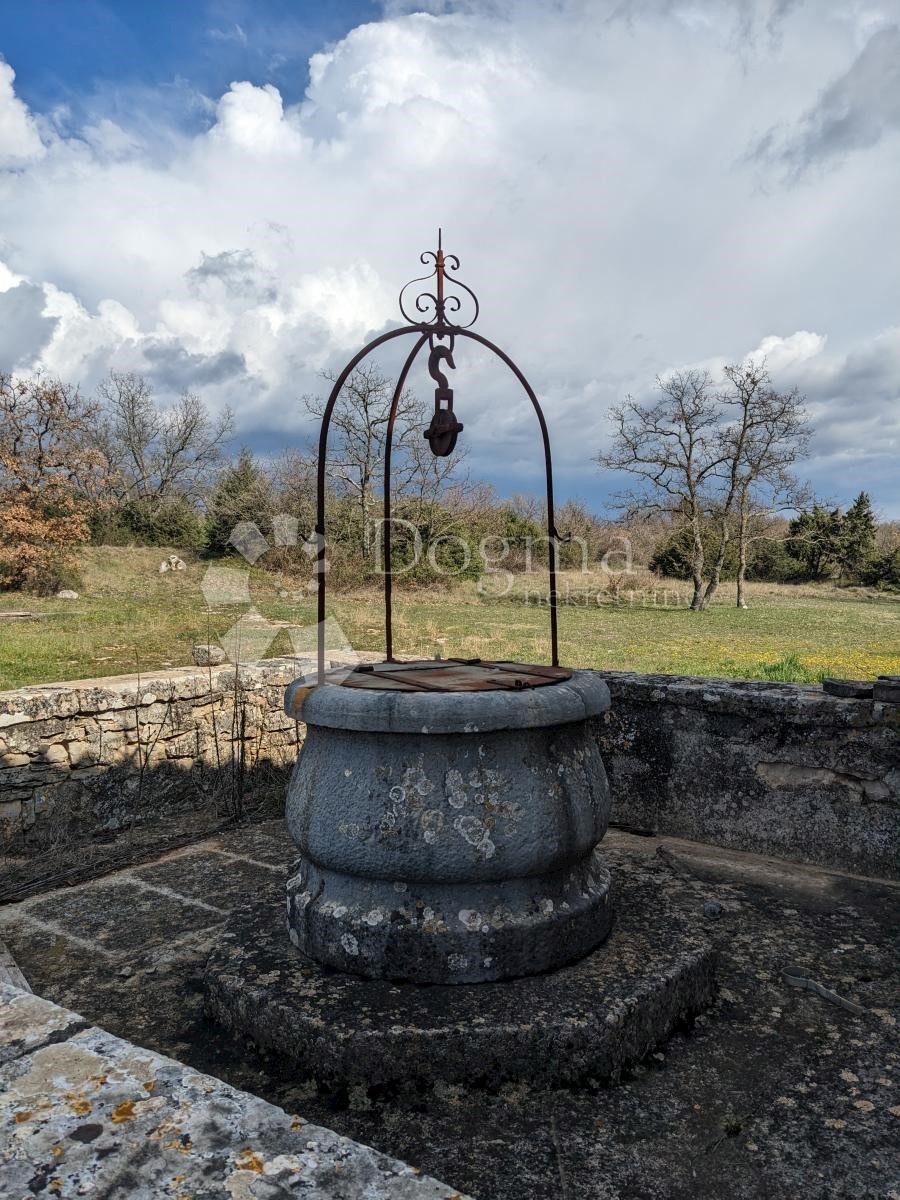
857,538
814,539
241,494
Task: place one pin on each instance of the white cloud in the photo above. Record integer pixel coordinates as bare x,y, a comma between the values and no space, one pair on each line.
252,118
20,142
781,353
587,160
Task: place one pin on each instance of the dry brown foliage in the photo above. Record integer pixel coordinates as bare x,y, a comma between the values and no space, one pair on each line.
48,475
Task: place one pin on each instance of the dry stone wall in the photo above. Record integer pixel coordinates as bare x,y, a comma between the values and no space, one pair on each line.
778,769
95,756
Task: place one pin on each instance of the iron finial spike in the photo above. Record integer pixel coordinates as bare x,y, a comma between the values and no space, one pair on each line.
440,234
439,271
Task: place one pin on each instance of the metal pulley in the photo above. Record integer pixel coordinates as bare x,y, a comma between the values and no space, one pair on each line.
444,428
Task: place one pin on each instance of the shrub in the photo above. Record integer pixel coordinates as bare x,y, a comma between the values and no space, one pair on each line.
771,561
883,571
673,556
38,528
241,494
172,522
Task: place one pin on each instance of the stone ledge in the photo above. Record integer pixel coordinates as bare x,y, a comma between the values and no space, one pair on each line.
588,1020
792,702
112,692
85,1113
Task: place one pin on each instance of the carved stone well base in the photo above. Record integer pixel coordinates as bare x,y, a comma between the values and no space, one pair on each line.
586,1020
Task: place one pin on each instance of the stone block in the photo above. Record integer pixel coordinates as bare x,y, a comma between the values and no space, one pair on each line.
887,691
10,811
850,689
83,754
208,656
30,738
88,1113
55,754
13,718
14,760
184,745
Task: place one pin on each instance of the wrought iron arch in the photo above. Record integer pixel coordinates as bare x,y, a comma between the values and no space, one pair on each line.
440,335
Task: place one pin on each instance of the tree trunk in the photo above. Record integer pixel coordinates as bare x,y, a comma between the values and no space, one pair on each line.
697,566
716,573
365,508
742,557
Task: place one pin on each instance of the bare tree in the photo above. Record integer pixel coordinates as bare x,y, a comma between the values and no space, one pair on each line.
674,447
159,452
758,448
359,428
703,468
777,435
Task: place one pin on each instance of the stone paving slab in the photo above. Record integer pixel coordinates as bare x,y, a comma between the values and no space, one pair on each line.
86,1113
117,910
774,1092
207,875
269,842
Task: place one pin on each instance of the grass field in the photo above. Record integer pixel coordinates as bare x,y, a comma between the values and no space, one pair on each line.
129,618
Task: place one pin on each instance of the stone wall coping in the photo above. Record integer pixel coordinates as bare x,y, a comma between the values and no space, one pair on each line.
790,701
46,700
584,695
793,702
114,1119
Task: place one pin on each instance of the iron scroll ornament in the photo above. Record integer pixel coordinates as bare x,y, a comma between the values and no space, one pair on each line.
443,430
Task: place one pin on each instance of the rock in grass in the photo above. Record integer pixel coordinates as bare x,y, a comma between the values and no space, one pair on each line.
66,594
208,656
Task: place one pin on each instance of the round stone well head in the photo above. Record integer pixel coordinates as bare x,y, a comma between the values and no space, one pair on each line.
449,835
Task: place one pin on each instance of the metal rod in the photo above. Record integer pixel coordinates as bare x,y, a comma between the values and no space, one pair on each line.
439,267
320,479
548,466
386,536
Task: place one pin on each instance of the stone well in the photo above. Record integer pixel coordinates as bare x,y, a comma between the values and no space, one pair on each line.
449,837
450,914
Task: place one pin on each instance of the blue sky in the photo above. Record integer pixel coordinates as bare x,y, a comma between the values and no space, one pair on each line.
85,52
227,197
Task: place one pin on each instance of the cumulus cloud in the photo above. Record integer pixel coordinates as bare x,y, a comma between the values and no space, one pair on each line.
20,141
253,119
584,161
853,400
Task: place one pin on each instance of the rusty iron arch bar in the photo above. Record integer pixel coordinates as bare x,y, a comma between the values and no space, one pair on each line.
552,534
321,566
440,328
386,531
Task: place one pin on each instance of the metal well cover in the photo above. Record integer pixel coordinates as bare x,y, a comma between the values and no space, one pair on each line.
453,675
